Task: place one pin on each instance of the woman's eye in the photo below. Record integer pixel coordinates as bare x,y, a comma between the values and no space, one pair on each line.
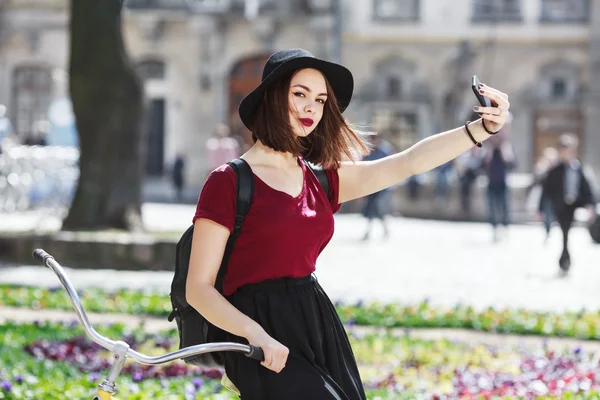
299,94
321,101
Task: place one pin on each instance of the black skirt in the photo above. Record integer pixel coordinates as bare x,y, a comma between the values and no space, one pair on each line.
297,313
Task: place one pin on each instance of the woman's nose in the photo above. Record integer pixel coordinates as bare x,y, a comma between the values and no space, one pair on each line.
310,107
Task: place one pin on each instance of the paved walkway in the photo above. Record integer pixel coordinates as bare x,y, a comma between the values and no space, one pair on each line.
445,262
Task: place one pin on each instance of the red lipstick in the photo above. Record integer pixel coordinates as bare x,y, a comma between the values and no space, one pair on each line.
307,121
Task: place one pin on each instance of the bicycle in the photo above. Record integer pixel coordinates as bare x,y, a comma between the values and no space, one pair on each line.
120,350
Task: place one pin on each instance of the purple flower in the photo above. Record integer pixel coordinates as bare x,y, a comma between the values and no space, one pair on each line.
198,382
137,376
6,386
93,377
19,379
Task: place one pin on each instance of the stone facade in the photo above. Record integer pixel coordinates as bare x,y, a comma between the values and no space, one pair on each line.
412,62
542,64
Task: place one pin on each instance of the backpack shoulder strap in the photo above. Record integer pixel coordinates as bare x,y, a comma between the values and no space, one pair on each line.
245,194
245,189
321,176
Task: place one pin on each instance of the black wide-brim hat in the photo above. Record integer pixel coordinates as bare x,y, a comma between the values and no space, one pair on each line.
286,61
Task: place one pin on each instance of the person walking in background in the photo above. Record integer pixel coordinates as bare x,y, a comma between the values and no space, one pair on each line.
377,205
467,167
442,183
178,176
544,164
498,159
567,188
221,148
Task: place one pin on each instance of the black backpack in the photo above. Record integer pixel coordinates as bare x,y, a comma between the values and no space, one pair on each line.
194,328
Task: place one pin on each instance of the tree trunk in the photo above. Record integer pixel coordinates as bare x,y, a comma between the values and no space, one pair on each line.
108,106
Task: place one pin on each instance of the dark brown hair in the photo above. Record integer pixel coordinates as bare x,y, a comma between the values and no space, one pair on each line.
332,140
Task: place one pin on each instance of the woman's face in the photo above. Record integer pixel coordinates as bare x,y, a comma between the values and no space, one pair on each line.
307,96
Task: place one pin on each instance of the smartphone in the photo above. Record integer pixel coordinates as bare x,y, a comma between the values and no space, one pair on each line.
484,101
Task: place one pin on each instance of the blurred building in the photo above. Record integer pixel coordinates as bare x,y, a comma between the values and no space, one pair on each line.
412,61
197,58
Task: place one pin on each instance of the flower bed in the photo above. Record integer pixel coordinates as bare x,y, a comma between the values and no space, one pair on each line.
583,325
52,361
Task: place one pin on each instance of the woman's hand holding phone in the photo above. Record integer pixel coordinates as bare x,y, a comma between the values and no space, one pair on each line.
494,105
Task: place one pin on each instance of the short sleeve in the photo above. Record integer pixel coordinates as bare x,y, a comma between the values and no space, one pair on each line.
334,188
218,197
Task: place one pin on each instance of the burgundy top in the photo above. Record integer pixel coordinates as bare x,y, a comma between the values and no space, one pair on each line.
282,236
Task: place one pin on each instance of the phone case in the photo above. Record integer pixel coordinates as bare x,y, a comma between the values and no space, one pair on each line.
484,101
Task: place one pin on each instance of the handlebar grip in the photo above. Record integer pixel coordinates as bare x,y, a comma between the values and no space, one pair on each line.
256,353
41,255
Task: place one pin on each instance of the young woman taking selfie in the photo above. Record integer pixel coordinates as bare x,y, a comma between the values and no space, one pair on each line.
270,297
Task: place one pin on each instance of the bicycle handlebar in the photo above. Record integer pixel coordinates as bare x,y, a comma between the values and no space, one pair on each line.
47,260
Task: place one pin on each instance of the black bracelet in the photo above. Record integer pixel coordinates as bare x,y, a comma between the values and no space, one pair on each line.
475,142
486,129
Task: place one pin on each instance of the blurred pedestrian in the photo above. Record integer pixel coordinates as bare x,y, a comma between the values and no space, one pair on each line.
567,188
442,183
178,177
378,205
221,147
414,184
498,160
467,166
545,163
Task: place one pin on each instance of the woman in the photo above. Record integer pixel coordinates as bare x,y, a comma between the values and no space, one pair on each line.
270,298
377,205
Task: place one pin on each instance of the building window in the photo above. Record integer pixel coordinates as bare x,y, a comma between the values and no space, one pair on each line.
399,127
396,10
559,89
496,10
565,10
394,87
151,69
317,5
31,94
